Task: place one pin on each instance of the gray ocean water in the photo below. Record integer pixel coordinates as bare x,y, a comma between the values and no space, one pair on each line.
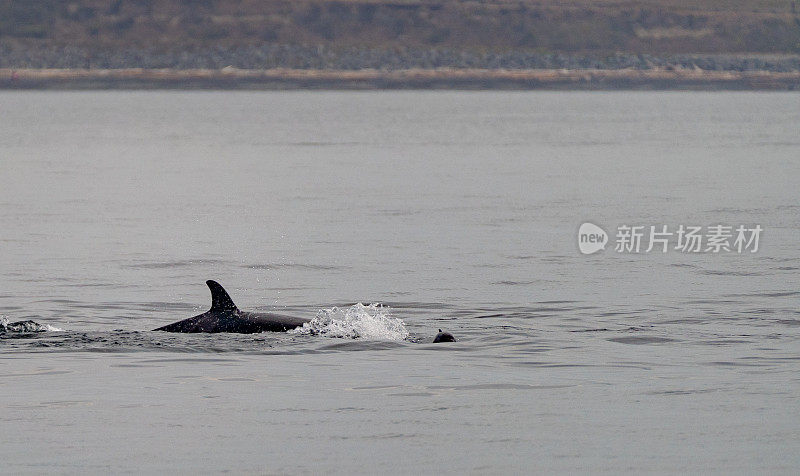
455,210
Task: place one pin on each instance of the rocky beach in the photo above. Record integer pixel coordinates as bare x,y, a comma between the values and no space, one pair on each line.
296,66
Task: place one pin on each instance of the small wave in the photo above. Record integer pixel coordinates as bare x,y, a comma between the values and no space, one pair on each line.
514,283
24,326
357,321
298,266
635,340
715,272
174,264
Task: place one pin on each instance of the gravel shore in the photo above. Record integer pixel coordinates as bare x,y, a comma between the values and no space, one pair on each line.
271,56
441,78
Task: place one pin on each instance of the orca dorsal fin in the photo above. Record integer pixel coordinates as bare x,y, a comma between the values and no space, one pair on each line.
220,301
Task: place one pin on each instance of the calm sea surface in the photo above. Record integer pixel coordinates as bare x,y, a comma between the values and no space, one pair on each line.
455,210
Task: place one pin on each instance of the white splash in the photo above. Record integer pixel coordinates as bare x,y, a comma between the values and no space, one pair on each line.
354,322
25,326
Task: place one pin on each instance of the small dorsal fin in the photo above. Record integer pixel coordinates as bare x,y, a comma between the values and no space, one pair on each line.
220,301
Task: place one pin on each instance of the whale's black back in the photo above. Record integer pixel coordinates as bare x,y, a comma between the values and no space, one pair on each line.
224,316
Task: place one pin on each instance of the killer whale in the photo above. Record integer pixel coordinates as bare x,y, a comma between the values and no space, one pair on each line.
224,316
443,336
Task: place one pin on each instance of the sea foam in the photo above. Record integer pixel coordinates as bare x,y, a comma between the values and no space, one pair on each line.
357,321
24,326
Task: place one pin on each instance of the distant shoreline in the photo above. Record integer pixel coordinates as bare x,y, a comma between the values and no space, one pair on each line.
370,79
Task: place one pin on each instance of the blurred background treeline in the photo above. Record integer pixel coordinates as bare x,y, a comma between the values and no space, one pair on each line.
354,34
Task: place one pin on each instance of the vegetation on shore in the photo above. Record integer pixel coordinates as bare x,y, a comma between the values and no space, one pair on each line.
709,44
656,27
